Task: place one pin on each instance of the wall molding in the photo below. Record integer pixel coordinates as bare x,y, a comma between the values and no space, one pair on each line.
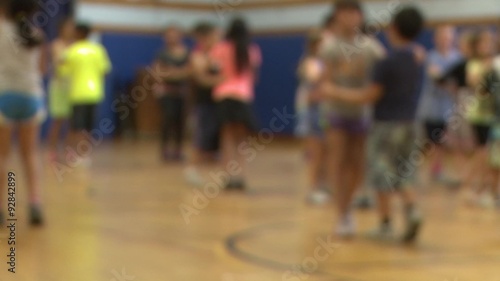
215,4
292,31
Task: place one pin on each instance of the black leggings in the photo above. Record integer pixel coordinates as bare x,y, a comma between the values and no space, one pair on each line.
173,121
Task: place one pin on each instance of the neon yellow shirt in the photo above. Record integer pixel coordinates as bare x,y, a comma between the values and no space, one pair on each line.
86,64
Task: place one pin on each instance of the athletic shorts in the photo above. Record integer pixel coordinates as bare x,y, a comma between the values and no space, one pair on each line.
395,155
59,104
481,133
435,131
232,111
353,126
83,117
207,128
20,107
309,123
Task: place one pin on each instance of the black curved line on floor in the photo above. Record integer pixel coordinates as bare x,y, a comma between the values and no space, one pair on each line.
231,243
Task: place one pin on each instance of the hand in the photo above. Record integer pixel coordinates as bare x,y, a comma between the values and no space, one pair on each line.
159,90
315,97
434,71
328,90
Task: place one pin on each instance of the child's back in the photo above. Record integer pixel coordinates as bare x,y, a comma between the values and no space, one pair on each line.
19,67
401,75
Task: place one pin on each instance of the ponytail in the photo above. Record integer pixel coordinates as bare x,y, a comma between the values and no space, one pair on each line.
239,35
20,11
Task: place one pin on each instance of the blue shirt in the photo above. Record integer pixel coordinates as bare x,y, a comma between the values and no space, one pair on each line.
400,76
437,102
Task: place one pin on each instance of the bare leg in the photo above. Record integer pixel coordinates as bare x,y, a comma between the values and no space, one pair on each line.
55,134
316,154
28,139
355,171
337,143
5,144
384,207
228,144
436,162
485,176
241,133
495,191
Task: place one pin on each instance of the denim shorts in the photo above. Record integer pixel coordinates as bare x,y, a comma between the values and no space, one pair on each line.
20,107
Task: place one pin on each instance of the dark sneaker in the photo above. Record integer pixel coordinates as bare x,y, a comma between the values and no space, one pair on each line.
36,217
235,184
240,184
413,224
364,203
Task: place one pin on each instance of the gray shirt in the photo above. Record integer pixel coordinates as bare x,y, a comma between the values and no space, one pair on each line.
352,63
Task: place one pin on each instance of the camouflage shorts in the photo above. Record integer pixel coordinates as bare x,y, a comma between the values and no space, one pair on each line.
395,155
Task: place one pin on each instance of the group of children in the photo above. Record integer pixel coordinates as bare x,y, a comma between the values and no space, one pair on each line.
357,99
78,67
216,82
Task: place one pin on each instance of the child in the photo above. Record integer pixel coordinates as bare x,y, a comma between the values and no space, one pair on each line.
205,77
21,97
174,59
85,64
309,122
394,90
239,61
437,101
59,105
492,86
348,64
480,112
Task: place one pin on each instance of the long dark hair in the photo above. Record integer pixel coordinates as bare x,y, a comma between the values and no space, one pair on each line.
20,11
239,35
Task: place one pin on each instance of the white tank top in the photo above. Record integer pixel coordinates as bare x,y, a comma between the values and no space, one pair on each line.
19,66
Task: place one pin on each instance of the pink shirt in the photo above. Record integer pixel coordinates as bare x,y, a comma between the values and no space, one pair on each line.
236,85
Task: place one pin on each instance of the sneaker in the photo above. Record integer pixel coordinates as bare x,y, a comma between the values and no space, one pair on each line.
36,217
486,201
413,224
192,176
384,233
346,227
86,162
240,184
318,197
236,184
363,202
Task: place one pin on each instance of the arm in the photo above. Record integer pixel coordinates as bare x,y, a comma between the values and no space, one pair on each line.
475,73
256,60
182,72
367,95
44,59
105,61
179,73
309,71
200,75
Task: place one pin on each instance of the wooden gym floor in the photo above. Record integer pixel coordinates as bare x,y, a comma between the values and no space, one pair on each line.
121,221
